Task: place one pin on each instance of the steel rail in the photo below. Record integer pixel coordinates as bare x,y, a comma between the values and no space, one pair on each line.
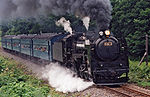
127,89
136,91
123,94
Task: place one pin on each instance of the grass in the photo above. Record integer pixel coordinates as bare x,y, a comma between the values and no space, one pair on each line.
139,74
15,81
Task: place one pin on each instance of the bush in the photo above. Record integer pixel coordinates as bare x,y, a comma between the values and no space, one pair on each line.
15,83
139,74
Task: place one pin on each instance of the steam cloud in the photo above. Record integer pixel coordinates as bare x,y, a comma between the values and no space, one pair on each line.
99,10
63,79
86,22
66,24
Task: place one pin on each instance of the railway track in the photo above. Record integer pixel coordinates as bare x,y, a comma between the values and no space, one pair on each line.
125,91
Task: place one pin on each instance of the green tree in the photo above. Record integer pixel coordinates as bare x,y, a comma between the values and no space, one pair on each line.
131,19
3,28
19,26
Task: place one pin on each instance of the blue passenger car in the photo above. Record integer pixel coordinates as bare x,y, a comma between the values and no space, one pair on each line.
38,46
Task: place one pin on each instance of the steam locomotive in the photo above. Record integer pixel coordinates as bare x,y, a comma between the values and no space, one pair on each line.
99,57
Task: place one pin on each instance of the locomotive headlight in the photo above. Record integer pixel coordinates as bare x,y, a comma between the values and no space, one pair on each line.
107,32
101,33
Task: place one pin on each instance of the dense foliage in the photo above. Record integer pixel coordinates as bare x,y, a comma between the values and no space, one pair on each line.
15,81
41,24
30,26
131,19
139,74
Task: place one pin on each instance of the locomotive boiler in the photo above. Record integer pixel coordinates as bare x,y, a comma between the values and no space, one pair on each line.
99,57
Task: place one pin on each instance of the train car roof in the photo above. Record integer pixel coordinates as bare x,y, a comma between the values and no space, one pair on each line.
8,36
45,36
32,36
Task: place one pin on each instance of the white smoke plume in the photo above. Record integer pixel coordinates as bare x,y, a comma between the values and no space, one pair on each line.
63,79
98,10
86,22
64,23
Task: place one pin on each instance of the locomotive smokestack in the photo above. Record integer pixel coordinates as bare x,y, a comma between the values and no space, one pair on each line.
98,10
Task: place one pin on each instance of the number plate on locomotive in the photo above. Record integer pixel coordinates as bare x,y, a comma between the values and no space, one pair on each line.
108,43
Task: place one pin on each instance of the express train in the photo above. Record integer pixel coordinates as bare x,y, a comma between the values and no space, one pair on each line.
99,57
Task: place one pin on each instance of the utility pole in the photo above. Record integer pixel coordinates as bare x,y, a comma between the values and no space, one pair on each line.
146,49
146,52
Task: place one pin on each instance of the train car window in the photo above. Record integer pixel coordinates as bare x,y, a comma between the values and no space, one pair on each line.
25,46
40,48
16,45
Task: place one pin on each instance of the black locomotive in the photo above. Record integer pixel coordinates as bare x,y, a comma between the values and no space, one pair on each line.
93,56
